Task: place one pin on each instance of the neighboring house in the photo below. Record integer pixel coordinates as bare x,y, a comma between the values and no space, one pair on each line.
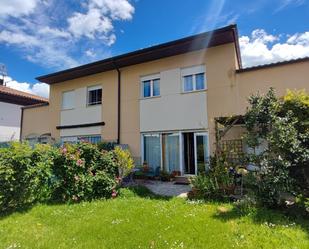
161,101
11,102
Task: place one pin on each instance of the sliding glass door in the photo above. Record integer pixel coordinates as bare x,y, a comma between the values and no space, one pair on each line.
201,152
171,158
152,150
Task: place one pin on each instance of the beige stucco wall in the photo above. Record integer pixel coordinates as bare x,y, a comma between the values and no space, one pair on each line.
233,99
36,121
289,76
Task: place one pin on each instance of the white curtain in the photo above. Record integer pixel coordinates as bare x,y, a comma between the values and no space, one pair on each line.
171,152
152,151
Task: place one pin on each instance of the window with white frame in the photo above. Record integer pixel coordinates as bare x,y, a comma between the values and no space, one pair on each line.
94,95
193,78
150,86
68,100
94,139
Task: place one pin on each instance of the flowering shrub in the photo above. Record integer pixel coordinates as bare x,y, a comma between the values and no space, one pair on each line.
82,172
69,173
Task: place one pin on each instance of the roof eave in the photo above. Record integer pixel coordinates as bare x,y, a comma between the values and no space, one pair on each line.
184,45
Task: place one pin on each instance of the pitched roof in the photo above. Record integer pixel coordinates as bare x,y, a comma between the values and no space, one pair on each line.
275,64
213,38
14,96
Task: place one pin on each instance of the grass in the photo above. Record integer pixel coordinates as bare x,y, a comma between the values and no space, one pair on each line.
140,219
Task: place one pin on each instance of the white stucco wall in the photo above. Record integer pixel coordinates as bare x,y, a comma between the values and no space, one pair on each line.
81,114
173,109
10,115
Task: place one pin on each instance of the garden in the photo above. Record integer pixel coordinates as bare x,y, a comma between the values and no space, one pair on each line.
72,196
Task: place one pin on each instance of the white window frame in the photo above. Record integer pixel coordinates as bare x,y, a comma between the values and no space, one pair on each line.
150,78
93,88
73,100
193,71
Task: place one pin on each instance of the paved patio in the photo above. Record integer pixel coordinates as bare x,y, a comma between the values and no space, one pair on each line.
166,188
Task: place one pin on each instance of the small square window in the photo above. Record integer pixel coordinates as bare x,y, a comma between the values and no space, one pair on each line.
94,96
151,88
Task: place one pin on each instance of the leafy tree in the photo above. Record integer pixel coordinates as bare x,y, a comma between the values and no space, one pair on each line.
284,125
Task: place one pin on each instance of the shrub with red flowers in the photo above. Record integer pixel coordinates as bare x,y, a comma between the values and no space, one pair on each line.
83,172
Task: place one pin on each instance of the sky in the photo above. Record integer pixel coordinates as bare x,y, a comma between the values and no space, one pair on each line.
38,37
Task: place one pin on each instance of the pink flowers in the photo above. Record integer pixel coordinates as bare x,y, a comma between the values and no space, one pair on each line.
80,162
114,194
64,150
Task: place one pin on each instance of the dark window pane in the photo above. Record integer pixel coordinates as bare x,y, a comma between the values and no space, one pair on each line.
146,86
95,97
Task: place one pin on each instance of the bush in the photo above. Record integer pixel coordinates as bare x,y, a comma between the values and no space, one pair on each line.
69,173
107,146
124,161
217,183
82,172
283,124
24,175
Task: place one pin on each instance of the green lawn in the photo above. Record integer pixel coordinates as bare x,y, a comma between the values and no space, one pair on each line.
140,220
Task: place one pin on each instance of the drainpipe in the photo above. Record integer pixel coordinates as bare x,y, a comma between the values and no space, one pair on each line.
21,124
118,103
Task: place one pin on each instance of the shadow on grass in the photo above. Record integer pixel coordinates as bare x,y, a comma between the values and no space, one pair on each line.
263,215
21,210
129,192
142,192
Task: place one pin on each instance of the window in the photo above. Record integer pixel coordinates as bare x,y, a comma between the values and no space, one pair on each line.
68,100
151,88
152,150
193,79
94,139
94,95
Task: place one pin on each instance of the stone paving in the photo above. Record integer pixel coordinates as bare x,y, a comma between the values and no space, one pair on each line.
165,188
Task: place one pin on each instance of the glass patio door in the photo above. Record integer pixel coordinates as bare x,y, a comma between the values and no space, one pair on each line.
201,152
170,150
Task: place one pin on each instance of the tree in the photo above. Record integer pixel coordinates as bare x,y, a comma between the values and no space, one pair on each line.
284,125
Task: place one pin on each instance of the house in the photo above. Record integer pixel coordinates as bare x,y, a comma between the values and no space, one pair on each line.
11,102
162,101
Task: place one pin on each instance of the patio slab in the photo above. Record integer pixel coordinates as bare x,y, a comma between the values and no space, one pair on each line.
166,188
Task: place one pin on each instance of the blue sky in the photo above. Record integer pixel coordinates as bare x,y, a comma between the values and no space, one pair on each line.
42,36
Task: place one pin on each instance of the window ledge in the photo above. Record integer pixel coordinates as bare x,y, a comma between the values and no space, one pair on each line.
153,97
195,91
68,109
94,105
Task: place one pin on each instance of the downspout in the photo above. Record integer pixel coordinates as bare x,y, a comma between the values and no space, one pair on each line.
118,103
21,124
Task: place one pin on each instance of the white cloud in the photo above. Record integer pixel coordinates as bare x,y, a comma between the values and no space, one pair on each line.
40,89
118,9
17,8
263,48
58,42
90,24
